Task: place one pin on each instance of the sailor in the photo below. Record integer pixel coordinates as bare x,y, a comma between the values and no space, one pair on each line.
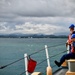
71,27
71,55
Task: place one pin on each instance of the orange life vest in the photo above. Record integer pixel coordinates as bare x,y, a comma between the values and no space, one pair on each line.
69,39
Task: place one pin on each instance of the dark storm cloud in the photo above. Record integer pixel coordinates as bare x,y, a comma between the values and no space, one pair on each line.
37,8
33,15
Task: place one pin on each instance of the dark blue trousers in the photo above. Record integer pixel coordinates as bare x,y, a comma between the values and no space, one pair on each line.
67,57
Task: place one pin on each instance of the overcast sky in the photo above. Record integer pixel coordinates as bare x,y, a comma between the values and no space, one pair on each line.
36,16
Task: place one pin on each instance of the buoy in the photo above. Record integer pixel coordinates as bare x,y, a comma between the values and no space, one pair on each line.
49,70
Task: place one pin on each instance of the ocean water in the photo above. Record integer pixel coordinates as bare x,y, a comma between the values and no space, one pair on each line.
12,49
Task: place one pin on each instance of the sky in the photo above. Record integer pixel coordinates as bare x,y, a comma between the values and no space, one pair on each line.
36,16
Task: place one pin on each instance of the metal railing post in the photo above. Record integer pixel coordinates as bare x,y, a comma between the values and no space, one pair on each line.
47,55
48,69
26,63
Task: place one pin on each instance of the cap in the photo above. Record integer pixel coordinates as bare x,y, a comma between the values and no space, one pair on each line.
71,26
73,36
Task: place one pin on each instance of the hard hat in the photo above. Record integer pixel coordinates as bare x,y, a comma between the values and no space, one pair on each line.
71,26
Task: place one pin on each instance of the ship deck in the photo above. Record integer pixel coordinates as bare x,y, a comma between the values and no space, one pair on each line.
61,71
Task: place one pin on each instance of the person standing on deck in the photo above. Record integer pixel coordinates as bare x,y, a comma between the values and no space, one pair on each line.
71,55
71,27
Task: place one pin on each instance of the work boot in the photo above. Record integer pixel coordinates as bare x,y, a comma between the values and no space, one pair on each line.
57,63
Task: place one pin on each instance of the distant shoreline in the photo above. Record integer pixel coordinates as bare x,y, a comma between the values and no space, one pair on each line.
33,36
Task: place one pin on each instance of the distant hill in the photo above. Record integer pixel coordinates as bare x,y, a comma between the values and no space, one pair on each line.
19,35
62,33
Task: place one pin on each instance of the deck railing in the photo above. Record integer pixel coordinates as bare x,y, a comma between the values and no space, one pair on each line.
46,59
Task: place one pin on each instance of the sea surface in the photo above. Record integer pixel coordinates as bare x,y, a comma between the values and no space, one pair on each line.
12,49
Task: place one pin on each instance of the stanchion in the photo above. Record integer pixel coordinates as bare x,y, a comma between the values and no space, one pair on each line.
26,64
49,69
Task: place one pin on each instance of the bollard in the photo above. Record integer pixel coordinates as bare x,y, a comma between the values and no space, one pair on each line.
71,66
49,70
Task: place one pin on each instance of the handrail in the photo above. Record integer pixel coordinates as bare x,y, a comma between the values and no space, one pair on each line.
11,63
46,59
58,53
2,67
47,47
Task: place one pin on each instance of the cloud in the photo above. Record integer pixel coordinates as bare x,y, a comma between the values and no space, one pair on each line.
36,16
29,28
37,8
32,25
43,28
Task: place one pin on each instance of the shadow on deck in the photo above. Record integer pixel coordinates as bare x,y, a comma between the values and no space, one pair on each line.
61,71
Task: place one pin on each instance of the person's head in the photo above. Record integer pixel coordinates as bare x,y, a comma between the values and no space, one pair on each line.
71,27
73,37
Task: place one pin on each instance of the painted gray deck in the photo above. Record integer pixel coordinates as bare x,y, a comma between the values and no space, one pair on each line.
61,71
